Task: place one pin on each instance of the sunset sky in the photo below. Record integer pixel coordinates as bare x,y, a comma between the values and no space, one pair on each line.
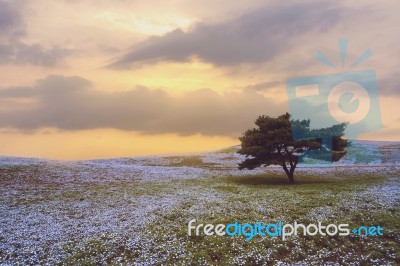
100,79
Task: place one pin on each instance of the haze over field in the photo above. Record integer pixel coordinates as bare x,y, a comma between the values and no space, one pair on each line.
96,79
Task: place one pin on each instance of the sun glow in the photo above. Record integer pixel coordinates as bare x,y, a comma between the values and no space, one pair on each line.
125,21
103,143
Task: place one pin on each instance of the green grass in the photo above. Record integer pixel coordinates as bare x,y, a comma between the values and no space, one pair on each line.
246,199
287,202
231,149
264,198
190,161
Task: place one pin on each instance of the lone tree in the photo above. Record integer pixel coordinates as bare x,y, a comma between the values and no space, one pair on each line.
271,143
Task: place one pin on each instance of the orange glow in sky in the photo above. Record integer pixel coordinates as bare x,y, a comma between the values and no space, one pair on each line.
102,79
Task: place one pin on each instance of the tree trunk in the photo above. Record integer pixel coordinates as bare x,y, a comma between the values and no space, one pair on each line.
291,177
290,173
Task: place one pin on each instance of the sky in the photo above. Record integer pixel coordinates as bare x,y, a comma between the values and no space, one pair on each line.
102,79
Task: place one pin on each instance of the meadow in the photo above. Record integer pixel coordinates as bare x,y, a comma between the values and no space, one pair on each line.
135,211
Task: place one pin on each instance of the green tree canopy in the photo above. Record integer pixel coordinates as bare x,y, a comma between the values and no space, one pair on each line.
272,143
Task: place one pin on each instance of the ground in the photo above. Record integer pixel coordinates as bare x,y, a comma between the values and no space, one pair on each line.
135,211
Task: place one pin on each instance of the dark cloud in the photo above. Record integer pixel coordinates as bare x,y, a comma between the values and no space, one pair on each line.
9,17
390,84
69,103
36,54
255,37
263,86
12,48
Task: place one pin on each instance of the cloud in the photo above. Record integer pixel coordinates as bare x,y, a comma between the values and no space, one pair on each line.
35,54
263,86
390,84
14,51
9,17
70,103
255,37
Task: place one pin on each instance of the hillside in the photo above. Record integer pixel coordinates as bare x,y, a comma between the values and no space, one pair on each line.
136,210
